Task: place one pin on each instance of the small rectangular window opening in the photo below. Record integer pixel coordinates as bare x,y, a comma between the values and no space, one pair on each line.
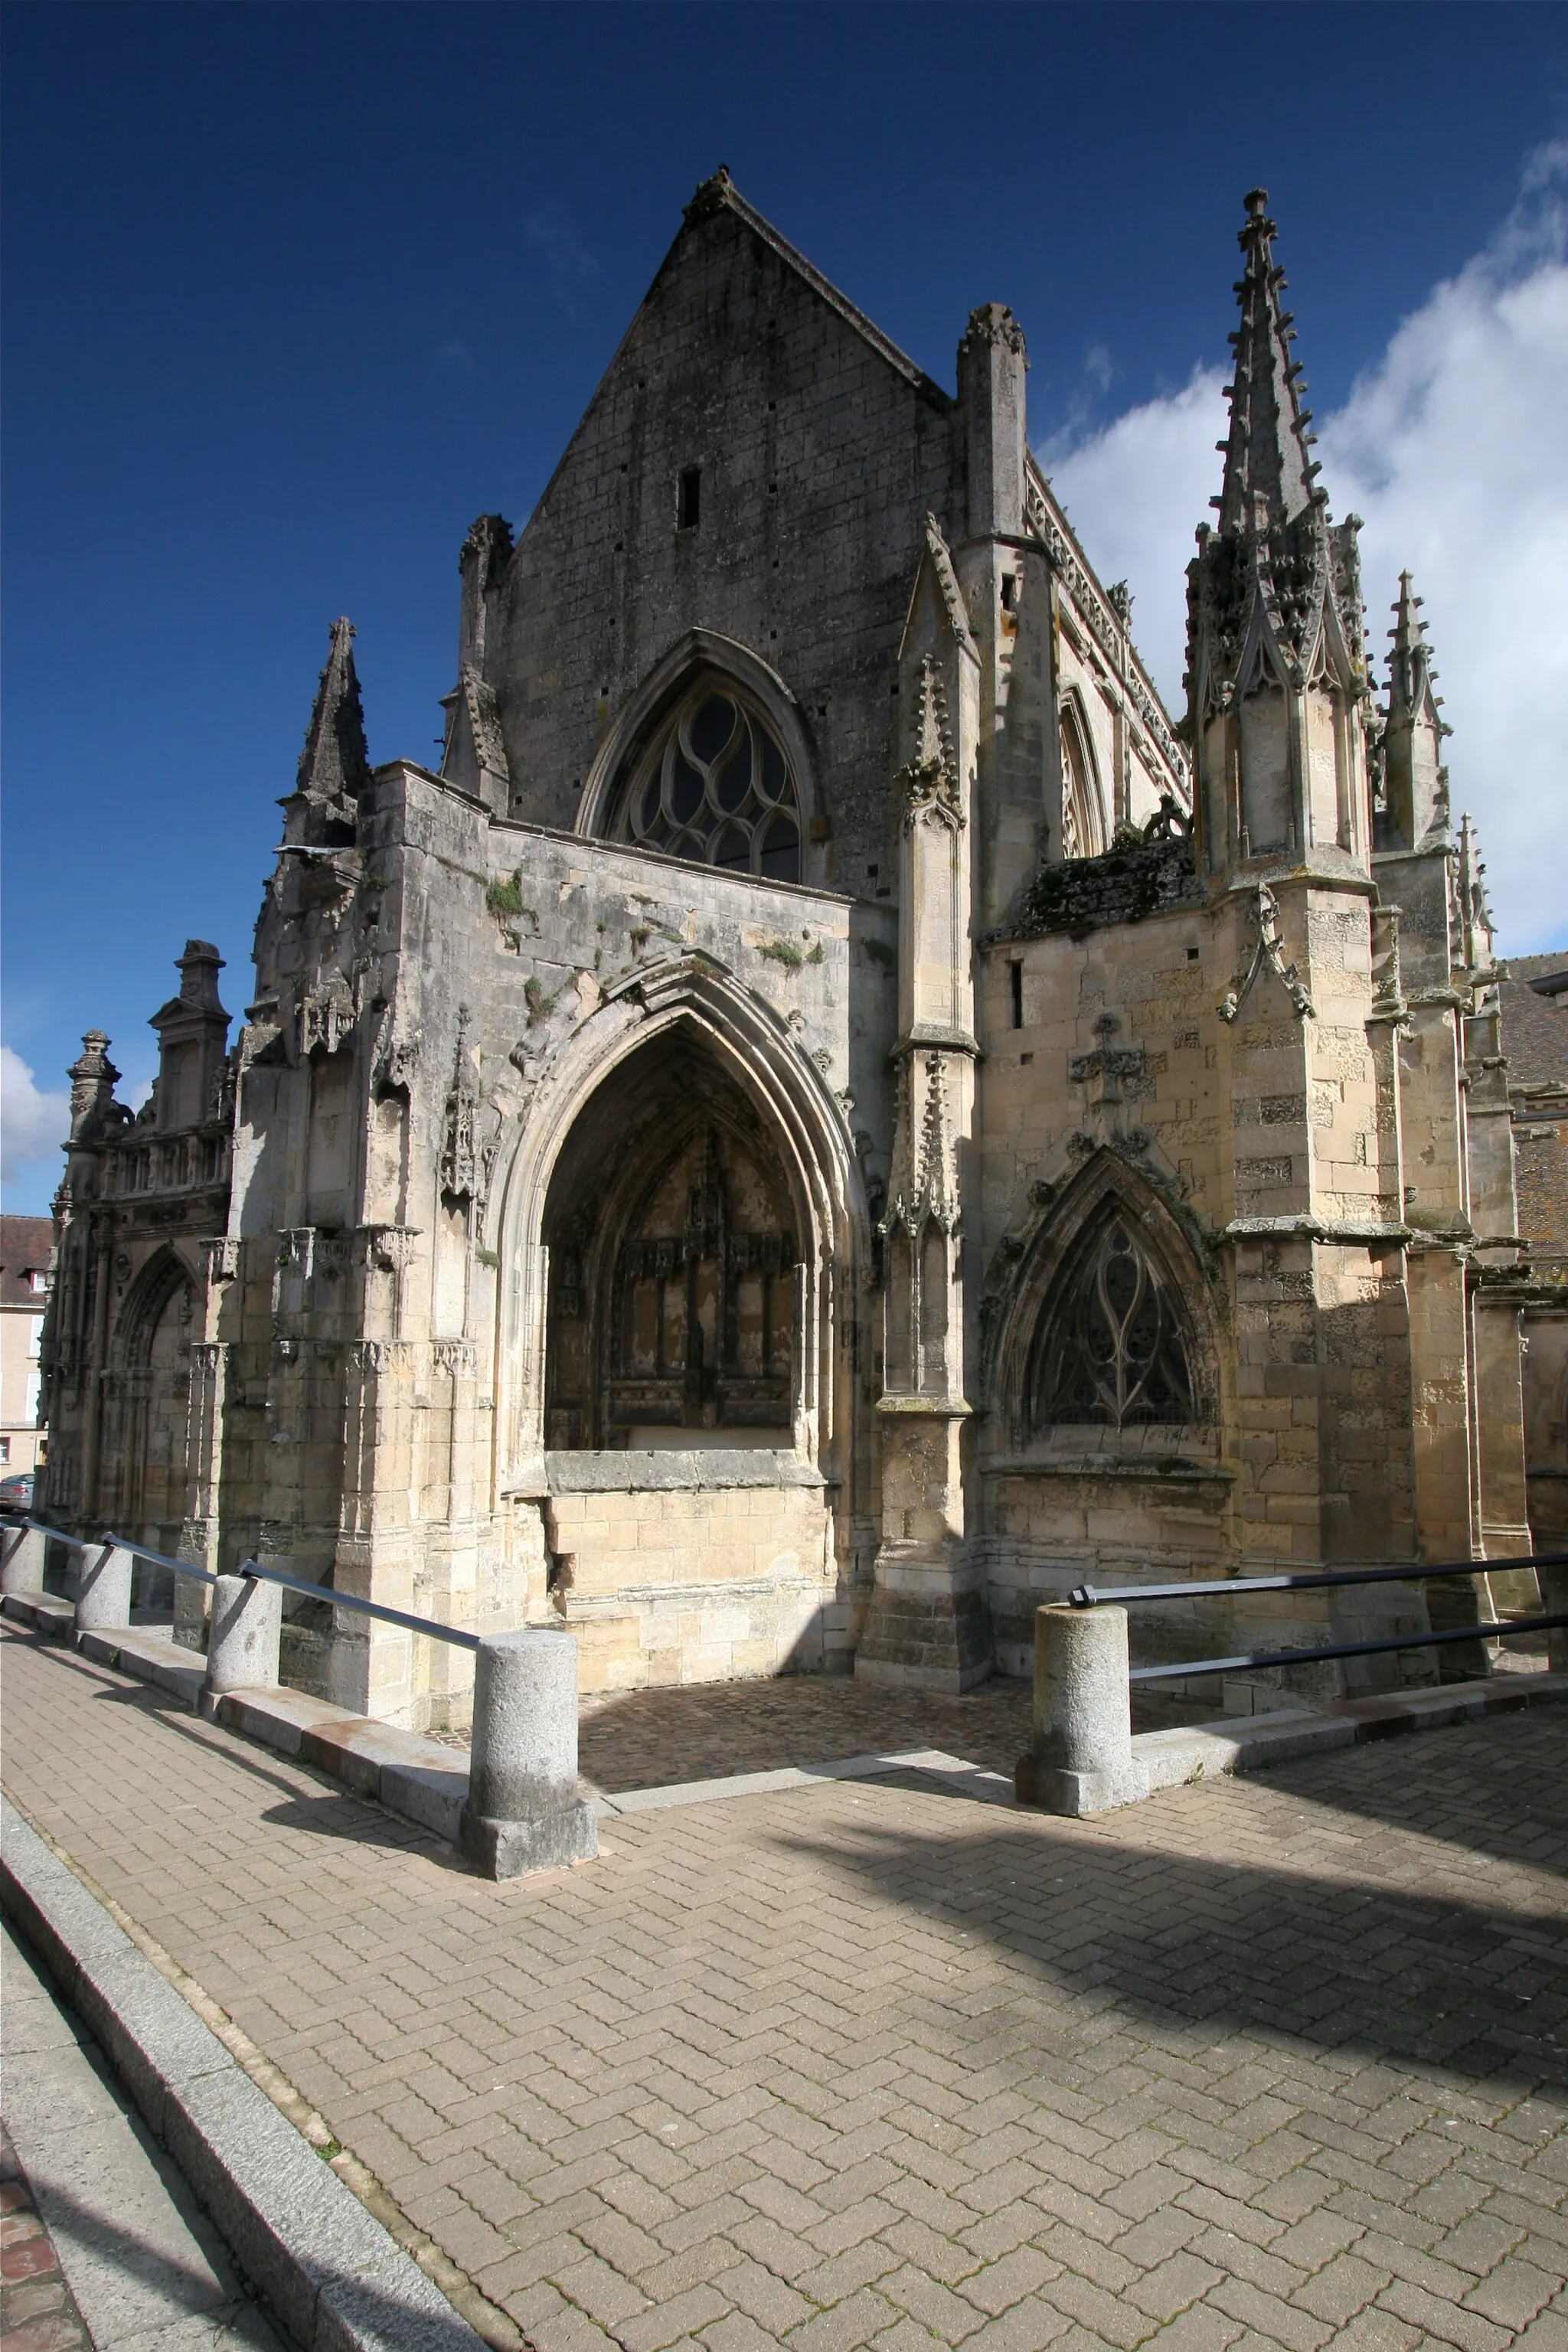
1192,955
1016,977
1009,590
690,496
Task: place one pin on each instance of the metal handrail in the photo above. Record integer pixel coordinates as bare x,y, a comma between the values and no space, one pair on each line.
1093,1596
110,1543
1347,1649
437,1632
430,1625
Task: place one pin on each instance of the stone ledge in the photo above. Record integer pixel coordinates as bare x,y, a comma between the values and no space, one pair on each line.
417,1777
325,2266
41,1613
148,1658
695,1470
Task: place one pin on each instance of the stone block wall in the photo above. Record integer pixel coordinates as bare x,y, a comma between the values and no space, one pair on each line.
675,1569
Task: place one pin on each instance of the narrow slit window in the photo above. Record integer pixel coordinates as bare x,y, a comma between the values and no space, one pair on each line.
1015,982
691,506
1009,592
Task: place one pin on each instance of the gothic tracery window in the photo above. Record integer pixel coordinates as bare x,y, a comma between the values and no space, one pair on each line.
716,788
1080,828
1113,1352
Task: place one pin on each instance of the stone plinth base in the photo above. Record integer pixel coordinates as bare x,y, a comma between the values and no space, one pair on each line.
1036,1782
927,1628
562,1834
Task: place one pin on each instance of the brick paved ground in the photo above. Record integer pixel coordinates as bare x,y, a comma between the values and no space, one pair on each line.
1277,2062
641,1739
36,2313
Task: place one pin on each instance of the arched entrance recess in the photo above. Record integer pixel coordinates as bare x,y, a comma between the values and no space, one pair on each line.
153,1338
682,1231
674,1262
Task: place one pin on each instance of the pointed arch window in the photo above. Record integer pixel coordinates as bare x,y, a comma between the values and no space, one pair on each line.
716,787
1082,829
1111,1351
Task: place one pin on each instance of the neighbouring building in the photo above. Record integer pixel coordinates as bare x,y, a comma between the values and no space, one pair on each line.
832,1115
26,1256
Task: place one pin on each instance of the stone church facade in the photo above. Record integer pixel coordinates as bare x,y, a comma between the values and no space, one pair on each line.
831,1116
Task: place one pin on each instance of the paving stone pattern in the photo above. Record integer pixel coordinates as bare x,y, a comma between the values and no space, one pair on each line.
643,1739
36,2313
1278,2061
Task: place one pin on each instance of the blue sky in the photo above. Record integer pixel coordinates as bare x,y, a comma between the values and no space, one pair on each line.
292,292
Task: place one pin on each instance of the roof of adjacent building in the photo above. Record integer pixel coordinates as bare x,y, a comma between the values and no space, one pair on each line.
27,1245
1534,1021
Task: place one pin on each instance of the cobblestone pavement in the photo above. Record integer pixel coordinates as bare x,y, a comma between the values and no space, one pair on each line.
37,2314
1273,2061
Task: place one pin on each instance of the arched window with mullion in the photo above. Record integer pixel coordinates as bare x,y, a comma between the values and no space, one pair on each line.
715,786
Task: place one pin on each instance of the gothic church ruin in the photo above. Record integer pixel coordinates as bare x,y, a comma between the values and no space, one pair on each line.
832,1116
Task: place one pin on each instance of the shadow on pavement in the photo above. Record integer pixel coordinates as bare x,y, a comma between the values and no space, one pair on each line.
1292,1947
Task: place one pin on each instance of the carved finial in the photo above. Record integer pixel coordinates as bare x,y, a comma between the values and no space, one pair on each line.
93,1078
993,322
711,197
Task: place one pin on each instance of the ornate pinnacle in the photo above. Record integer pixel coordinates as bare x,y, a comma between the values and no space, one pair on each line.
1268,477
335,763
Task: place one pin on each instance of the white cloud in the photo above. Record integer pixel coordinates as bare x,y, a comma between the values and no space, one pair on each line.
1452,447
33,1126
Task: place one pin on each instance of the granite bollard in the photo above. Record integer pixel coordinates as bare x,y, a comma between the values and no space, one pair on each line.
103,1591
527,1809
1080,1759
243,1636
22,1562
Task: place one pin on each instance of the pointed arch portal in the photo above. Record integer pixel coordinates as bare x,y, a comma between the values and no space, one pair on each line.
672,1312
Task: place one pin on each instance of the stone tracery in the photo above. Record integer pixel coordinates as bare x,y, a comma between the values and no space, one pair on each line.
716,788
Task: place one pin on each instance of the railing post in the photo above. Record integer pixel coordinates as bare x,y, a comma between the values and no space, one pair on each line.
244,1632
527,1809
103,1589
22,1565
1080,1759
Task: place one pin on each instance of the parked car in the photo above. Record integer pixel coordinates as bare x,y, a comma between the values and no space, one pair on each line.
17,1492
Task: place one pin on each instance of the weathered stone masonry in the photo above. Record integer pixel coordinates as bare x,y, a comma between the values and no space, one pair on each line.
830,1116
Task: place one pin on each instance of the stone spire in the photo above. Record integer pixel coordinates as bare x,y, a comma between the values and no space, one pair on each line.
1416,781
334,765
1269,480
1277,674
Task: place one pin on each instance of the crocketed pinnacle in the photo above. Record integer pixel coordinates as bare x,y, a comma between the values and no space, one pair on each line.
1269,476
335,763
1410,670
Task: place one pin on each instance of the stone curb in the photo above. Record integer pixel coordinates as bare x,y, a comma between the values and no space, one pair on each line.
324,2267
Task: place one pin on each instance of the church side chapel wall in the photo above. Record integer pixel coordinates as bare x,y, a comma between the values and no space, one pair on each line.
824,1124
418,1461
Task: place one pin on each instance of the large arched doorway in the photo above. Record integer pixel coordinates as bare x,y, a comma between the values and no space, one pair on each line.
154,1469
672,1317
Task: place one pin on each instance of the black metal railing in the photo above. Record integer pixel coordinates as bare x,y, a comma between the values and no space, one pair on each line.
1090,1596
430,1625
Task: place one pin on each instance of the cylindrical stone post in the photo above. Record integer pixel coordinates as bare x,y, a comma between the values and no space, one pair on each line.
1080,1759
22,1560
243,1635
103,1589
527,1809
